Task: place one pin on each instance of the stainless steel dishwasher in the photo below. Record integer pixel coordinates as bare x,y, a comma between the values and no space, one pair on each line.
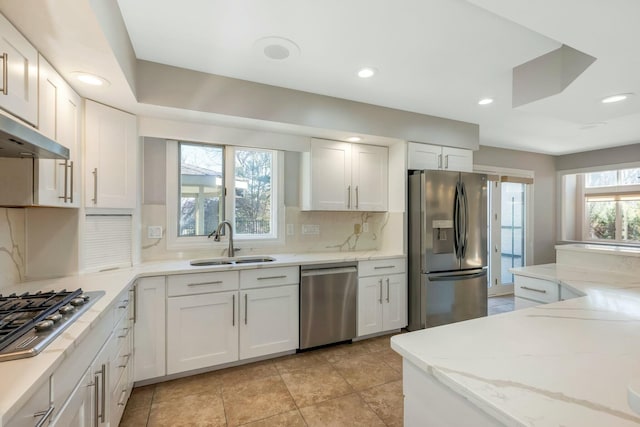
328,297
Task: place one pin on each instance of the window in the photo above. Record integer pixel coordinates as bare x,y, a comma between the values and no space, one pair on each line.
612,205
215,183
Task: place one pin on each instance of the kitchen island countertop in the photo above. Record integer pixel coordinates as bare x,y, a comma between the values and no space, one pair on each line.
568,363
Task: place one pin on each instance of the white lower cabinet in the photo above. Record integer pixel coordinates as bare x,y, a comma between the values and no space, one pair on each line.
78,411
382,299
269,321
202,330
150,333
217,318
38,408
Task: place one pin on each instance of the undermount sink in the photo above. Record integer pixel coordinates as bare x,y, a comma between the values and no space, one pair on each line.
230,260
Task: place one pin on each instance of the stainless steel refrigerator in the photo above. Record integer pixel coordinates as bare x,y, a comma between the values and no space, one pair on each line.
447,247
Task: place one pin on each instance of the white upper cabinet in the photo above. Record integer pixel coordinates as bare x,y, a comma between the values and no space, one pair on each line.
339,176
110,161
19,82
58,181
434,157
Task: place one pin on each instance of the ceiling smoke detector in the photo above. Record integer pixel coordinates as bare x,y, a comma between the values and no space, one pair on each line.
276,48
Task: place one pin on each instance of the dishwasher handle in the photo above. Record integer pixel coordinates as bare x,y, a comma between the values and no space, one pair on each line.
326,271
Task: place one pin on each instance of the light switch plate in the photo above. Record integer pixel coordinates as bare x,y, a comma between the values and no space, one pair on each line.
154,232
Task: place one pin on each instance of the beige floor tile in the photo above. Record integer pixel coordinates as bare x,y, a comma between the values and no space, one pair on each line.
348,411
135,417
255,400
141,397
387,401
365,371
253,371
378,343
192,410
342,351
209,383
391,358
315,384
288,419
299,361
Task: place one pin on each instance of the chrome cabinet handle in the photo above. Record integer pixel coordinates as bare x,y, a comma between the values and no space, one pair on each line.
542,291
246,308
349,197
216,282
233,312
357,197
121,401
387,290
103,401
95,186
272,277
446,161
127,357
135,303
125,333
380,299
125,304
44,414
65,195
96,400
5,73
439,161
71,176
380,267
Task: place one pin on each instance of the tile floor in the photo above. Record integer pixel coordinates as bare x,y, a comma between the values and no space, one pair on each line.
357,384
501,304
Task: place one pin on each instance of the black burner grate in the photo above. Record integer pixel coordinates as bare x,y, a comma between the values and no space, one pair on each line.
19,313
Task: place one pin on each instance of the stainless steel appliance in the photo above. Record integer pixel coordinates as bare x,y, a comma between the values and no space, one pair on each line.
29,322
447,247
327,304
18,140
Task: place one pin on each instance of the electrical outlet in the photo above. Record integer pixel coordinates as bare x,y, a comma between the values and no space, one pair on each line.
290,230
154,232
310,229
365,227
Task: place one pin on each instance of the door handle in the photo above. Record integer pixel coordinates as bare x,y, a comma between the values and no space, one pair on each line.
357,197
44,414
71,176
246,308
64,197
349,197
233,310
439,161
446,161
5,73
388,290
95,186
380,299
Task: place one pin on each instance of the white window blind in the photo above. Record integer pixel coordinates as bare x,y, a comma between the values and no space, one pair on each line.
107,242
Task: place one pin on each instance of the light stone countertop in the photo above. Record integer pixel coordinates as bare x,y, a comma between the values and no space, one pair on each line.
601,249
568,363
26,375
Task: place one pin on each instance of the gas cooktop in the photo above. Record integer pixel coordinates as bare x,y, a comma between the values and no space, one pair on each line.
30,321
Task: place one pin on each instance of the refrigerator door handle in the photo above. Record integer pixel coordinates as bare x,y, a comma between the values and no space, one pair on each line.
456,224
447,277
465,227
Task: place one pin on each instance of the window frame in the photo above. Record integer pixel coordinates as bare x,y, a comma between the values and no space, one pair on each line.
175,242
616,193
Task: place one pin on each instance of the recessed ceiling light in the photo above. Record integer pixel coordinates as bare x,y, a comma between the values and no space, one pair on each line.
615,98
90,79
365,73
485,101
354,139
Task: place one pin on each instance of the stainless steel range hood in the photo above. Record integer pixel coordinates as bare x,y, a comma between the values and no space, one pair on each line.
18,140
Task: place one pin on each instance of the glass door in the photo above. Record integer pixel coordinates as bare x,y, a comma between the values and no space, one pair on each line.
507,232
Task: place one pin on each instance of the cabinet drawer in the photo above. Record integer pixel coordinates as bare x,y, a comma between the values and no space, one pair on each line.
275,276
38,403
536,289
200,283
381,266
121,305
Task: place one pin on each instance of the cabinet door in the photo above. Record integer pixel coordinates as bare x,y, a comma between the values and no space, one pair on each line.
111,151
394,312
149,328
101,372
370,305
457,159
19,81
78,409
424,156
369,177
59,112
331,187
202,331
36,409
269,321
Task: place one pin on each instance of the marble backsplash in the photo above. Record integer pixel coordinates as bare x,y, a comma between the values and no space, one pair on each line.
12,246
336,231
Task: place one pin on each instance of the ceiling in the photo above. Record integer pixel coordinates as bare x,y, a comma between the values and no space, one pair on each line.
435,57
